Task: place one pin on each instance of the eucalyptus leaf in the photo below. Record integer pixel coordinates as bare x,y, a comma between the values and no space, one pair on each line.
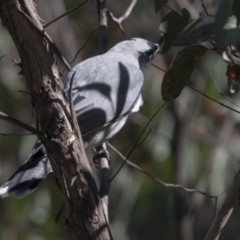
227,37
180,72
231,23
171,25
159,4
224,8
197,31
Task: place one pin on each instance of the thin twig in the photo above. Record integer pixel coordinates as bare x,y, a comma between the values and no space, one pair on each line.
73,114
21,124
24,92
221,93
139,138
15,134
88,38
170,185
58,215
119,21
128,11
139,144
105,183
204,8
158,68
2,57
168,8
232,199
66,13
205,95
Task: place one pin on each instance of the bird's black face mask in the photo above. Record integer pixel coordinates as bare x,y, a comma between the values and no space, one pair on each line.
146,57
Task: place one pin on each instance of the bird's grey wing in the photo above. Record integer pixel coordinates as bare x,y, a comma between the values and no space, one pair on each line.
27,178
108,93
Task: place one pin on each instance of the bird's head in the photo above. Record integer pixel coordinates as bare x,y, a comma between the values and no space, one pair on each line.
142,49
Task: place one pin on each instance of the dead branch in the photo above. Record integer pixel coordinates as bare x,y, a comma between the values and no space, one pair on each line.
103,161
102,19
225,211
85,216
20,124
15,134
38,27
168,185
105,181
119,21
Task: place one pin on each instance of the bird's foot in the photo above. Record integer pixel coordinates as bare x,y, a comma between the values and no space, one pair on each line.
101,152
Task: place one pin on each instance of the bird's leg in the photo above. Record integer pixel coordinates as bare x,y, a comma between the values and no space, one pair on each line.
101,152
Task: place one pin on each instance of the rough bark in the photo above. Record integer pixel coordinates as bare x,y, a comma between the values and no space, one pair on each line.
66,152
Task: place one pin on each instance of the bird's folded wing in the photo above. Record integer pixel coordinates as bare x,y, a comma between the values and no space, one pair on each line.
109,93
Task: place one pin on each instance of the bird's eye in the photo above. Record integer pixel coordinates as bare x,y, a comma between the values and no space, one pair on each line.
149,52
152,51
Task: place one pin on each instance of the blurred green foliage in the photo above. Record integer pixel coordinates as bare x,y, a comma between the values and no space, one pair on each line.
193,142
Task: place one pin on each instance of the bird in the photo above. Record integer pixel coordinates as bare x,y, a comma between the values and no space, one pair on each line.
106,90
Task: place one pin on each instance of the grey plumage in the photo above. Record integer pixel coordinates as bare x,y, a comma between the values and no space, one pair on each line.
106,90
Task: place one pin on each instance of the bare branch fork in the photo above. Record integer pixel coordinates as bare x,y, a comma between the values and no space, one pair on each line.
85,215
119,21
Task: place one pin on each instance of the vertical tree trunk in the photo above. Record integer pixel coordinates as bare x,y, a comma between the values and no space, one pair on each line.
66,152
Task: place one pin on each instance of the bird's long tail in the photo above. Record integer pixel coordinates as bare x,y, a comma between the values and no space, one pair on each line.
27,178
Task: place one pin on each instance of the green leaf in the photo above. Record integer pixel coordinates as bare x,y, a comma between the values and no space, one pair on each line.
197,31
231,23
171,25
159,4
181,69
236,9
229,34
223,11
227,37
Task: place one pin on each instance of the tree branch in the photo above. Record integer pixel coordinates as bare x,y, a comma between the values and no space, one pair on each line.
20,124
102,18
119,21
88,38
66,13
103,161
105,181
15,134
226,210
138,143
66,152
169,185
